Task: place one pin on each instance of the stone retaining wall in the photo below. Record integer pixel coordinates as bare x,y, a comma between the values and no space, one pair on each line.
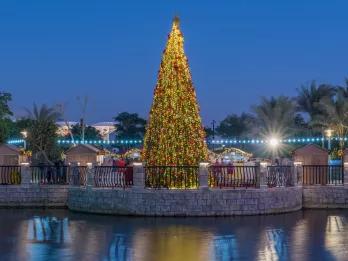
203,202
197,202
325,197
33,196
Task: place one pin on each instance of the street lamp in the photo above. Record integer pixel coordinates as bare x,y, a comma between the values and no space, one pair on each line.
274,143
328,134
25,135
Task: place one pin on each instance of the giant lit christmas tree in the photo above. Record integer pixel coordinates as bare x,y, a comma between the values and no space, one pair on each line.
174,134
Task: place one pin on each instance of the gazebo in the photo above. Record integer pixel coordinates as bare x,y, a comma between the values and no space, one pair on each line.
83,154
10,158
10,155
233,155
133,154
312,157
311,154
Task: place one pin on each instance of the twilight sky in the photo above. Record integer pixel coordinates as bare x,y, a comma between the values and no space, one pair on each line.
53,51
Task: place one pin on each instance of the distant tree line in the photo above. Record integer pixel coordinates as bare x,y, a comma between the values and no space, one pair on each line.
41,131
313,110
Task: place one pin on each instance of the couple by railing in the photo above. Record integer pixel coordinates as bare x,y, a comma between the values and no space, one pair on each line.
47,174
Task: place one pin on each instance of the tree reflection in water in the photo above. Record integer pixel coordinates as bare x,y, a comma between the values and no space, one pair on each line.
225,248
48,229
119,249
63,235
336,237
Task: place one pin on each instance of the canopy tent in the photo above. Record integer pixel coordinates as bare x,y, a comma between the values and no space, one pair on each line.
231,154
133,154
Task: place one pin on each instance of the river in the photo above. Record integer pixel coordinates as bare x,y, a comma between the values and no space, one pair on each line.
34,234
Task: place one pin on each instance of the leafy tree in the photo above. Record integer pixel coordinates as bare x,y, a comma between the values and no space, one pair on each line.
91,133
5,113
129,126
208,132
23,123
42,134
234,126
5,130
5,110
16,127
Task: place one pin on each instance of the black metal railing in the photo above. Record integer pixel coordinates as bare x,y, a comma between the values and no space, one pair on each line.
323,175
280,176
232,176
112,176
77,175
10,175
178,177
45,174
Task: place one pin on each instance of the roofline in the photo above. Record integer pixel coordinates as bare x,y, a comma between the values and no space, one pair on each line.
312,144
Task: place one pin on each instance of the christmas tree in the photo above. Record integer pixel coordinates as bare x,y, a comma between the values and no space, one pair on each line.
174,134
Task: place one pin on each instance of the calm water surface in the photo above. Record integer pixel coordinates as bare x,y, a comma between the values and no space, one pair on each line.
63,235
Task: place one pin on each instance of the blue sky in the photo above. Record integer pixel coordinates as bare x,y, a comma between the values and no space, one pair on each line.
53,51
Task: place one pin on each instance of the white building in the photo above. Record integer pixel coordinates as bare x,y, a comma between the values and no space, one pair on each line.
105,129
63,127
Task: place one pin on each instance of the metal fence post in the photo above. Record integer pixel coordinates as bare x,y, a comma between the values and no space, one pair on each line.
25,175
298,173
138,175
261,170
345,173
90,176
203,175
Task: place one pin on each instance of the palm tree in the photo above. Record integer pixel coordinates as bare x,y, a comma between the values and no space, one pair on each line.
309,97
42,133
275,116
334,116
343,89
43,114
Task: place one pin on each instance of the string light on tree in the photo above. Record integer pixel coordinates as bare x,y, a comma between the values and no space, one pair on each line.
174,135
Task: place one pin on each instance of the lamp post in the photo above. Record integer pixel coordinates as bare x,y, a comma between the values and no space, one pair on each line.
328,134
213,127
25,135
274,144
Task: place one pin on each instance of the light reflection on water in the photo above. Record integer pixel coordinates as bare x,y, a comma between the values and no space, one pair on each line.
63,235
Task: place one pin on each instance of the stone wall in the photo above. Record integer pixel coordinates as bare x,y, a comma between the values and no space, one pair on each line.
203,202
196,202
33,196
325,197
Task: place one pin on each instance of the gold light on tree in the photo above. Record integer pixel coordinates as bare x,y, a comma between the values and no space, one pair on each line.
174,134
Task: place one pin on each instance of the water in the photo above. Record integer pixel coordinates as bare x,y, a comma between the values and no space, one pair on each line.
63,235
